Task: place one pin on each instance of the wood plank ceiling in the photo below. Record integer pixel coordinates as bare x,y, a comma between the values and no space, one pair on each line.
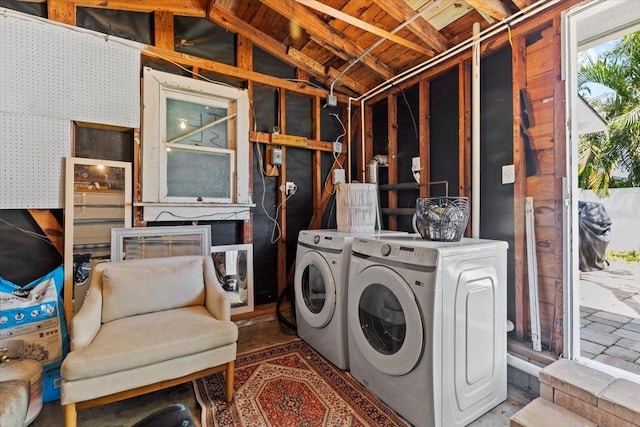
353,44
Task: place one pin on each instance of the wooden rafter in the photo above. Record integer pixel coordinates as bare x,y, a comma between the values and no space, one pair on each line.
321,7
235,72
230,5
521,4
179,7
229,21
493,8
319,30
402,12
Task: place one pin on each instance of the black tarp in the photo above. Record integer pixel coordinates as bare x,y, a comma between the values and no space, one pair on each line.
595,231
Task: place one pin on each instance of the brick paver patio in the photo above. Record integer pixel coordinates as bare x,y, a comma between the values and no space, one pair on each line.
610,316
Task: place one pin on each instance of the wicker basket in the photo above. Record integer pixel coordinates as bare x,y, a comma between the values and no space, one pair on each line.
442,219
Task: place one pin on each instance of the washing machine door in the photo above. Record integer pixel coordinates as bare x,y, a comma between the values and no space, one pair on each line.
315,289
385,320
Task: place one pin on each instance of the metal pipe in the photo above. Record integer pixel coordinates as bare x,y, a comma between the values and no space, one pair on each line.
523,365
475,135
399,186
398,211
372,168
497,28
378,43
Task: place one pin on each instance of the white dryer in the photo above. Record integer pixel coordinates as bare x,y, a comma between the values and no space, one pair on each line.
427,326
320,285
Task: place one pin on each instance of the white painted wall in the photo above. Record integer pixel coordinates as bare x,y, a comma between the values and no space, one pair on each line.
623,207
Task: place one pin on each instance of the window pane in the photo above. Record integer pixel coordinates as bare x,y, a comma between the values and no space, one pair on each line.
198,174
184,117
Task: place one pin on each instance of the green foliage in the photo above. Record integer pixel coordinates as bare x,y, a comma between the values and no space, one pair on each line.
630,256
619,145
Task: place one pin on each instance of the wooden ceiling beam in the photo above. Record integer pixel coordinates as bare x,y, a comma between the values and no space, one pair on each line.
317,68
363,25
232,23
402,12
178,7
317,28
493,8
184,59
230,5
521,4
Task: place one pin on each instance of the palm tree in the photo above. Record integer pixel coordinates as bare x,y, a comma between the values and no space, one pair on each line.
619,146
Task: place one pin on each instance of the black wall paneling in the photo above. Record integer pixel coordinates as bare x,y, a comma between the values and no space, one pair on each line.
265,63
408,147
136,26
443,110
35,9
496,150
205,39
265,253
25,257
107,144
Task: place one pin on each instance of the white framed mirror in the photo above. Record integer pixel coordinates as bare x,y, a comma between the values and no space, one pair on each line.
97,199
234,270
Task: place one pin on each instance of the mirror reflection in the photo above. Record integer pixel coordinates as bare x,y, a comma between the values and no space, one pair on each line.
234,270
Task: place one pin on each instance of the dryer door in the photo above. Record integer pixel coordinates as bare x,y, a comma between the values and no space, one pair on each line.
385,320
315,289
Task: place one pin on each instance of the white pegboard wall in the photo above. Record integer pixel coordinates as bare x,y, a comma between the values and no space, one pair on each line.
32,151
52,71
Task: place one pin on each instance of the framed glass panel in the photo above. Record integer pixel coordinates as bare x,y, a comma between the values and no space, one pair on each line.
159,242
97,199
234,270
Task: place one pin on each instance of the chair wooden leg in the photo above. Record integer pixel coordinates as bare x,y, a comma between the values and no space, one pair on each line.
70,415
230,368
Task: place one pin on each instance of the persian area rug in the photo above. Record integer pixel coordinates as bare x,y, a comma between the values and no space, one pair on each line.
290,385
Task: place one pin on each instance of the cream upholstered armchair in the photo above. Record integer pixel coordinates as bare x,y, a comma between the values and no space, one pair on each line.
147,325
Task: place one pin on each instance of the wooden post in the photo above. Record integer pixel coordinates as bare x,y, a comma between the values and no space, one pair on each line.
519,61
424,125
392,150
163,30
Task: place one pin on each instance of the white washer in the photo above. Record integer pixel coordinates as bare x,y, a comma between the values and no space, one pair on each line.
320,284
427,326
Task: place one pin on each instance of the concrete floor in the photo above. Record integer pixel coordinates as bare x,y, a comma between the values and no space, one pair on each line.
257,335
610,315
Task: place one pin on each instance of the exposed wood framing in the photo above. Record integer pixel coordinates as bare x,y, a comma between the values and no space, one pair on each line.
424,137
392,153
464,138
321,7
62,11
50,227
559,100
368,143
290,55
420,27
163,30
519,73
179,7
153,52
324,33
493,8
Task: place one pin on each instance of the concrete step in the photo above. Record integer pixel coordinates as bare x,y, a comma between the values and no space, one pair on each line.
543,413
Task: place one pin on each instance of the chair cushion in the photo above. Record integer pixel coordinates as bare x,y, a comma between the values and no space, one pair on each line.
14,402
128,291
136,341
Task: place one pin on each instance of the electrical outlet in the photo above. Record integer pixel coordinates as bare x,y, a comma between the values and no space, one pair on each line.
337,147
290,188
276,156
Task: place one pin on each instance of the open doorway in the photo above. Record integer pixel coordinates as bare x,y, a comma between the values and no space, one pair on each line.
603,319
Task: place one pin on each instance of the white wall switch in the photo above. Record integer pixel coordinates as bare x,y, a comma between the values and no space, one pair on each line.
508,174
